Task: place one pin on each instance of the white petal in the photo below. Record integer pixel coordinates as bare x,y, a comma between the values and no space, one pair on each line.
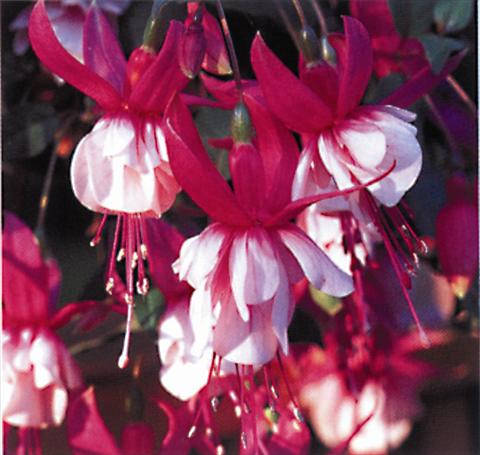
253,267
316,265
199,255
365,142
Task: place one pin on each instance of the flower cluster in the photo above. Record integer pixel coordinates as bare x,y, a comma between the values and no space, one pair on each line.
310,201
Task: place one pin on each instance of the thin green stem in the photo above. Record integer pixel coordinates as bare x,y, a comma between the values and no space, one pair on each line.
230,46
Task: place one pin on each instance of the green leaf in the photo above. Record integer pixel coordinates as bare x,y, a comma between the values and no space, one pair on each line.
331,305
438,49
412,17
452,15
384,87
148,309
213,123
28,130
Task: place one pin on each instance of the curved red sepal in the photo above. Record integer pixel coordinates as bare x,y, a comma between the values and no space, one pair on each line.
52,54
279,153
421,83
195,172
355,63
163,78
291,100
101,50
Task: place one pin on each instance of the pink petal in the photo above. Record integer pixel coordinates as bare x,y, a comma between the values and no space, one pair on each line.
375,15
322,79
289,98
253,267
316,265
226,92
163,78
200,255
282,309
248,176
101,49
56,59
195,172
422,83
355,65
278,150
216,59
86,429
250,343
25,275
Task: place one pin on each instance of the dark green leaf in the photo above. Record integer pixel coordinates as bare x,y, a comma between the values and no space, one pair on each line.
452,15
28,129
412,17
384,87
149,309
214,123
438,49
331,305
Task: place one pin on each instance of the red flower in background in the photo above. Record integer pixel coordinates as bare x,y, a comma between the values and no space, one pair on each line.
456,235
38,371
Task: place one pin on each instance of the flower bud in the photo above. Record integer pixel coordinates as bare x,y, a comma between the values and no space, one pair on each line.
457,237
309,45
192,48
140,59
241,124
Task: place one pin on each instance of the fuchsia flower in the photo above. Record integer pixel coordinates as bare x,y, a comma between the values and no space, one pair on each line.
346,142
456,235
371,382
38,372
121,167
244,265
206,42
88,434
391,51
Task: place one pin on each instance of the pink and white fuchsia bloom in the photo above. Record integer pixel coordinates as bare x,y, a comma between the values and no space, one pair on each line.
37,369
243,266
344,142
121,167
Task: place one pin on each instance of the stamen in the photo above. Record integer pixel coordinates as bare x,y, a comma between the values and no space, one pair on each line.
208,432
402,277
220,450
123,359
110,285
121,254
96,240
191,432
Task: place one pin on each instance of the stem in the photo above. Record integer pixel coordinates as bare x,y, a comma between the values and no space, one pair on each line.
321,18
45,196
230,46
300,13
462,94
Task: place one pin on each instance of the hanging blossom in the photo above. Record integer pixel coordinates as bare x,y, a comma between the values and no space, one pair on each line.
347,143
121,167
243,266
370,379
38,372
67,17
